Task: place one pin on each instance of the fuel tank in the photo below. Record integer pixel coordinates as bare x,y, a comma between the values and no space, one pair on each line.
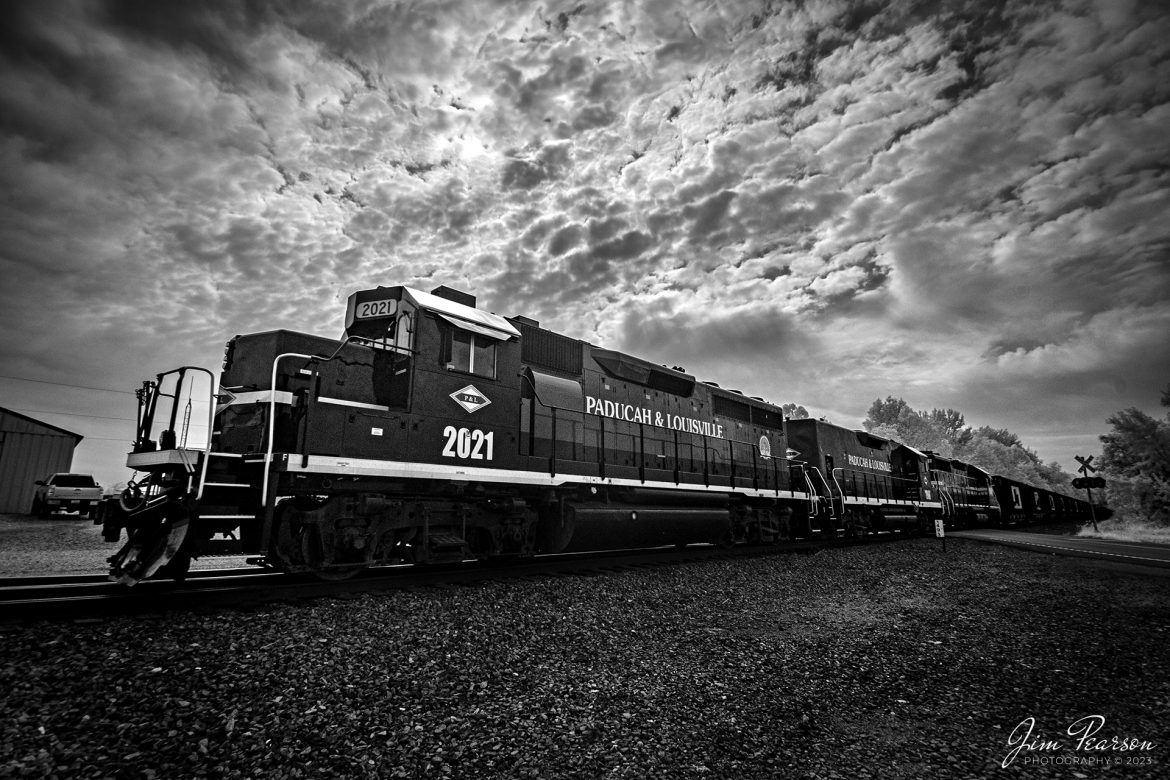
634,518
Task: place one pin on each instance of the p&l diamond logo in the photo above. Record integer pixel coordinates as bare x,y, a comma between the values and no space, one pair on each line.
470,398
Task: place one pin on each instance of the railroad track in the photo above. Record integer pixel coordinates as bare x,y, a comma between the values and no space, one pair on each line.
82,597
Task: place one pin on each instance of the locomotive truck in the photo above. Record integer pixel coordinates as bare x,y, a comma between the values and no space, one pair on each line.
435,431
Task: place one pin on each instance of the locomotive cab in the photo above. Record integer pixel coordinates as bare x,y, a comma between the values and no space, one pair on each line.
311,436
380,453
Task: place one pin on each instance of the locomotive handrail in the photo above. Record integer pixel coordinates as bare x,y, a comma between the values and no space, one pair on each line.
825,482
146,420
948,501
528,375
210,429
272,418
272,407
155,391
840,490
552,445
814,498
884,487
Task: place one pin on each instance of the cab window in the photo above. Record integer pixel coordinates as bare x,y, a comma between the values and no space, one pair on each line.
472,353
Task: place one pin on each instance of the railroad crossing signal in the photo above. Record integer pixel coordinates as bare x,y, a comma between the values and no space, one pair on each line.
1087,483
1086,465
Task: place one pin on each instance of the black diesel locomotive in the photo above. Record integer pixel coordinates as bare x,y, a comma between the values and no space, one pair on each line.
435,431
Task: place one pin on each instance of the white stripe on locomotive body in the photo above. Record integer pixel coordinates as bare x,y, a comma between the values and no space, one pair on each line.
862,501
325,464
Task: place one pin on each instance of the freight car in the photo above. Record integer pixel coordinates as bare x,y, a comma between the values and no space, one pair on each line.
1024,504
435,431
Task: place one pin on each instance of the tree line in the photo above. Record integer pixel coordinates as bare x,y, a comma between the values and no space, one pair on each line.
944,431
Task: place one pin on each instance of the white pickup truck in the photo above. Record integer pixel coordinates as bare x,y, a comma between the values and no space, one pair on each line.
66,491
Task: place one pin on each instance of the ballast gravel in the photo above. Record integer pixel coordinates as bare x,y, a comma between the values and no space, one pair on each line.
885,661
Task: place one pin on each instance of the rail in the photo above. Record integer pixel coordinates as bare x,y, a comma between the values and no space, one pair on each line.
91,596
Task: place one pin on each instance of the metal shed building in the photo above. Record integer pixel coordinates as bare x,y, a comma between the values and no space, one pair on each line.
30,450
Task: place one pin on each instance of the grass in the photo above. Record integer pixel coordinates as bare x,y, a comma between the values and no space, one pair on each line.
1127,529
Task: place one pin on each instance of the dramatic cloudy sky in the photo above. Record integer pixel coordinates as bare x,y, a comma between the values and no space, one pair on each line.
965,204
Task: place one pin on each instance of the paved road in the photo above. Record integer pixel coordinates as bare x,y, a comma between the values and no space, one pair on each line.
1144,554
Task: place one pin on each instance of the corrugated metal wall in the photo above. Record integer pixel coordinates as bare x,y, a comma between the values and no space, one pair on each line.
29,452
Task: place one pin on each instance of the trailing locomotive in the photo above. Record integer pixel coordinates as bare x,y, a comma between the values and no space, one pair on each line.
435,431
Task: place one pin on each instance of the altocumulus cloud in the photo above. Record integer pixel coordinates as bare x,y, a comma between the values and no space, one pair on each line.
963,204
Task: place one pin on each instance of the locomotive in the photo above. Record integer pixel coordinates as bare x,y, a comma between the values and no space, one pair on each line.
435,431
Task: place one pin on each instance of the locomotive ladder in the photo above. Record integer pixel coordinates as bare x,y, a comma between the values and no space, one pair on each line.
225,502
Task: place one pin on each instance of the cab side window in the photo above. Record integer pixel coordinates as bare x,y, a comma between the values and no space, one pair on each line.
470,353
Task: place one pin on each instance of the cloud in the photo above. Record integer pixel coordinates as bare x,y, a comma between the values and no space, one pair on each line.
824,202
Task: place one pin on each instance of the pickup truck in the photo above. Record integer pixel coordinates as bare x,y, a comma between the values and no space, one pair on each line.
66,491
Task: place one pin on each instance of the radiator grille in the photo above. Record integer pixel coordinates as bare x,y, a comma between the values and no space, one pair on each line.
546,349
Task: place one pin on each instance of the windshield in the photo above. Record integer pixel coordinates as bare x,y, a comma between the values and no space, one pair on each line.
72,480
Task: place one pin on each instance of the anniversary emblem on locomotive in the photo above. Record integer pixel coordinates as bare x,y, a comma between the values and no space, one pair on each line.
436,431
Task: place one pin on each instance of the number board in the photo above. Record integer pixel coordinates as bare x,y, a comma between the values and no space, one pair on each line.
366,310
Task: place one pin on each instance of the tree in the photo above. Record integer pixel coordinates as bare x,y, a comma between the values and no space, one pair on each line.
998,458
952,425
893,418
886,412
1001,452
1001,435
794,412
1138,443
1136,458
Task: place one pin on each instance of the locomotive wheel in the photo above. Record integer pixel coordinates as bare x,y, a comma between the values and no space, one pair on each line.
284,549
857,526
296,547
318,560
853,529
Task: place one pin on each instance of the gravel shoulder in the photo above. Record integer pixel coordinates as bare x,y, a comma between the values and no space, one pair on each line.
892,660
